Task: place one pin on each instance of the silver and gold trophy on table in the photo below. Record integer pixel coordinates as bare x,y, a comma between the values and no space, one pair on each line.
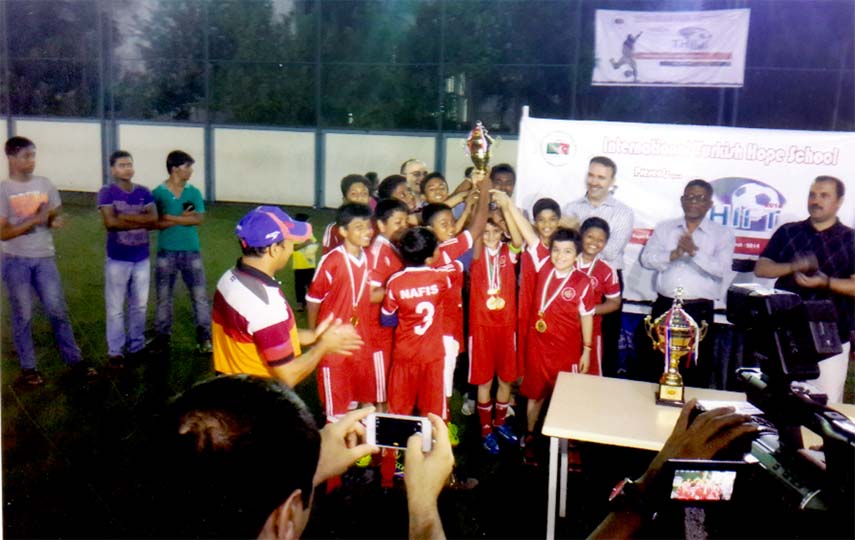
676,334
479,145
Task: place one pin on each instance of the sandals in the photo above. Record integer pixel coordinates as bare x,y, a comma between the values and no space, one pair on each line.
31,377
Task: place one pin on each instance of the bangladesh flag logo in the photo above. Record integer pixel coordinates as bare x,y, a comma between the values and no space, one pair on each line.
558,148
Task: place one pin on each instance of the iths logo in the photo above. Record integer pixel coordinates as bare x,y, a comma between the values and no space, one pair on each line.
693,38
558,148
746,204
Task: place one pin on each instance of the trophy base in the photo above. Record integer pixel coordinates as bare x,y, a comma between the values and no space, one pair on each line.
673,396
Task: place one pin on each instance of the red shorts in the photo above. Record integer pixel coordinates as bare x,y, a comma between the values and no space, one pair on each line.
542,371
381,361
417,386
335,389
346,379
492,351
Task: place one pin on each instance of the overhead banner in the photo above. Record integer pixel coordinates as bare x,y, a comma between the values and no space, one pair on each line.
760,177
670,48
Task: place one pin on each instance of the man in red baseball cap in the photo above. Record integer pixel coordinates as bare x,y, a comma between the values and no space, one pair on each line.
253,328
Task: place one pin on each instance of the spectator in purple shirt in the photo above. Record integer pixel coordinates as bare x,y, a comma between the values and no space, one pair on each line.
128,212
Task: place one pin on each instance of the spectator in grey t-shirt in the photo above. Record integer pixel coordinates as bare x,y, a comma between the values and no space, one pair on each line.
29,208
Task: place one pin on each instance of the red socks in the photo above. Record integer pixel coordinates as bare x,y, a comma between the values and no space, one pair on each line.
501,413
485,414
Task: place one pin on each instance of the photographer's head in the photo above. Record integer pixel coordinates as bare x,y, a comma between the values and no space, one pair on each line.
242,453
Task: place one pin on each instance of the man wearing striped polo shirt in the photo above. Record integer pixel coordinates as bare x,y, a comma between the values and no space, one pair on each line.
253,328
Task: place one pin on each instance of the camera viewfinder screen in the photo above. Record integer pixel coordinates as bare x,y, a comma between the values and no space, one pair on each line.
702,485
394,432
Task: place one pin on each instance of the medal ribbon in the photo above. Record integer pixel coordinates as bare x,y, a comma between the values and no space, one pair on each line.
494,278
353,295
544,303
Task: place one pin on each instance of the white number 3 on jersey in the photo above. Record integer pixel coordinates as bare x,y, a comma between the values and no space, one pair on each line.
427,310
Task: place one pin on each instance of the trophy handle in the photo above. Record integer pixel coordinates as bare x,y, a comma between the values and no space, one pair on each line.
702,330
649,327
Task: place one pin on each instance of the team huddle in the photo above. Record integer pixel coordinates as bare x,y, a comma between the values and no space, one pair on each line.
390,286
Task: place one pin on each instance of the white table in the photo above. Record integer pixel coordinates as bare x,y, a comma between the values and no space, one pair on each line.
612,411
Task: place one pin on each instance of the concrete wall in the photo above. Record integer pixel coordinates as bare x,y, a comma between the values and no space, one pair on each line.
69,153
275,167
150,144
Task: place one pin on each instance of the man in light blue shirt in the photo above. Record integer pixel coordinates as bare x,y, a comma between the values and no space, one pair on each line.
692,253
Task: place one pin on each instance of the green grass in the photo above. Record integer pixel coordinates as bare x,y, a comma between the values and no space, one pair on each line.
53,434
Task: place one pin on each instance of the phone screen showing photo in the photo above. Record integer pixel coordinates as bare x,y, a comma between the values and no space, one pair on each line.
394,432
709,485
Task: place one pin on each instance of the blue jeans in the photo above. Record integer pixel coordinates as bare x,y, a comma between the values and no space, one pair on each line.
126,281
166,269
22,275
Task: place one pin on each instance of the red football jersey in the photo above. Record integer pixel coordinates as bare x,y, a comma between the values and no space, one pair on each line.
331,239
530,263
340,282
415,294
604,282
385,261
563,335
504,260
449,251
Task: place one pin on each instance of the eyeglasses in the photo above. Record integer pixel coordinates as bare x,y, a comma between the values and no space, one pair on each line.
693,199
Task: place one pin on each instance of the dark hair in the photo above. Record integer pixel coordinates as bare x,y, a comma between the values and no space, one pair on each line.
348,181
372,177
16,144
385,208
503,168
430,210
565,234
839,186
350,211
232,449
700,183
389,185
468,172
595,222
301,216
119,154
428,178
545,204
254,251
177,158
603,160
416,245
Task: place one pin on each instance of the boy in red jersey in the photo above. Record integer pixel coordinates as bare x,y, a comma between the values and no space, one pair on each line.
492,324
595,233
560,323
439,219
340,288
546,213
413,305
355,188
390,217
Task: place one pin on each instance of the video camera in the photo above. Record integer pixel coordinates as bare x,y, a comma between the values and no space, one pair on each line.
786,337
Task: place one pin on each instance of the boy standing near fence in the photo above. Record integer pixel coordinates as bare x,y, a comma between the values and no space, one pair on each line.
29,208
181,209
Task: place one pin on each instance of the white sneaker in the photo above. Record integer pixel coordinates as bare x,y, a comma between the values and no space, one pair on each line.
468,408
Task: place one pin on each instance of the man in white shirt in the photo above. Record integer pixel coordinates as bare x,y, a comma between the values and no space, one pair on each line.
599,202
692,253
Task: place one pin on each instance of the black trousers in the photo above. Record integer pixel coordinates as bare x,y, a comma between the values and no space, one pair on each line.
650,363
611,327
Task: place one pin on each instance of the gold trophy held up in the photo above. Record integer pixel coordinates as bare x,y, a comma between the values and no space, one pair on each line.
479,145
675,334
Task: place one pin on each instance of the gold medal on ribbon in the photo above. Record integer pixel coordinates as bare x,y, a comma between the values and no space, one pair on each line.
492,292
540,326
491,303
500,302
354,320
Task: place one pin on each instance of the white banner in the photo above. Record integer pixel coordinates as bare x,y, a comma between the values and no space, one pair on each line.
760,177
670,48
